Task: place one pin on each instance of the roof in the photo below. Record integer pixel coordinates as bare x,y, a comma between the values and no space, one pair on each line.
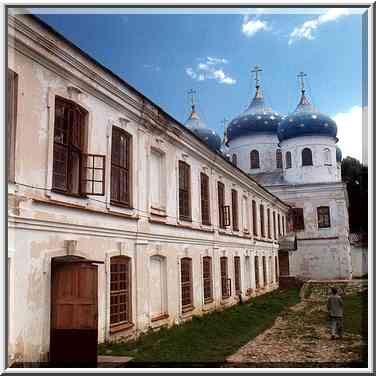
163,112
270,178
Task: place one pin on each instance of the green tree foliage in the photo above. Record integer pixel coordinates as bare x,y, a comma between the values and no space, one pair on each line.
355,175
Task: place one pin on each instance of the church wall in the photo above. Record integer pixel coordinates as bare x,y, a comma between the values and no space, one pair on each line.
265,144
321,170
44,224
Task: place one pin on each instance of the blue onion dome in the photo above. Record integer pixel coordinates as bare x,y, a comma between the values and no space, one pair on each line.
257,118
338,154
306,121
210,137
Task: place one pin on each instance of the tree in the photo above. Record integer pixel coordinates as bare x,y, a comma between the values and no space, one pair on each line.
355,175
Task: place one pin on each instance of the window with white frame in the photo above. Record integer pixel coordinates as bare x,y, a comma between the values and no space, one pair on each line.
157,179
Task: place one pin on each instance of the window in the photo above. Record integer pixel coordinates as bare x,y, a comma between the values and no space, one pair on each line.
327,158
283,225
288,159
278,158
74,172
264,271
257,272
276,266
307,157
225,286
323,216
254,217
120,167
268,219
223,210
157,179
184,191
234,203
12,94
237,275
298,218
274,226
255,159
120,291
279,225
271,274
186,284
205,199
207,278
158,287
245,214
234,159
262,221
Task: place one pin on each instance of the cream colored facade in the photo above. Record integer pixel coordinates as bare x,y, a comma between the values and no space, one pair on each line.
44,224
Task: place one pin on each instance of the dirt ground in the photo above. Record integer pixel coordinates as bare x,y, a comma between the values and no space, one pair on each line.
301,336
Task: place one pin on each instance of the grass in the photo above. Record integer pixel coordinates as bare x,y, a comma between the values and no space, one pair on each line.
210,338
355,314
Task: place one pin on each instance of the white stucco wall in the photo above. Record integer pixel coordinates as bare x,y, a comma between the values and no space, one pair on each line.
319,172
265,144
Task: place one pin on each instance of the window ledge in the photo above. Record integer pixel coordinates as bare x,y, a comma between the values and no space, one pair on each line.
158,212
225,300
208,301
80,202
187,309
121,327
160,317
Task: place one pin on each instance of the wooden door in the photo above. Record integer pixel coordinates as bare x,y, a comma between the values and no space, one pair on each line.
284,265
74,313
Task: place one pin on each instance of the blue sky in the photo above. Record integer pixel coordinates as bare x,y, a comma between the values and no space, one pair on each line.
165,55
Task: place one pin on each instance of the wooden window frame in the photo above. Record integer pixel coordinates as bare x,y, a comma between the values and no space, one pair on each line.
126,292
185,210
279,225
269,233
223,210
257,272
205,199
307,157
186,285
274,226
123,168
264,274
11,116
237,274
254,159
73,128
254,218
283,225
262,220
288,159
207,279
235,211
225,281
278,158
298,219
323,217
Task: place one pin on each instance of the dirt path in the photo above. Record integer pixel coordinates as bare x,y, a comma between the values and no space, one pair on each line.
300,335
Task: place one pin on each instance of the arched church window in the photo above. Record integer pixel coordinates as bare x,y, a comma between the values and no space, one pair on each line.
234,159
255,159
278,158
288,159
307,157
327,159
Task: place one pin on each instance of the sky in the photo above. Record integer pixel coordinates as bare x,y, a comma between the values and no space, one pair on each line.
165,53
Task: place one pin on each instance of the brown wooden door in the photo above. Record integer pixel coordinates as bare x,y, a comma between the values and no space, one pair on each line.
284,266
74,313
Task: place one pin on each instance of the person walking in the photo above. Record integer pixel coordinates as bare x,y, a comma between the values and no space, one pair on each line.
335,310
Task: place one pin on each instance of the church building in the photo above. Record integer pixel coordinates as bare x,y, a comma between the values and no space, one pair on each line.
296,158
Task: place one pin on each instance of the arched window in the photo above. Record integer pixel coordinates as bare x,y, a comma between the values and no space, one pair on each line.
307,157
327,159
255,159
288,159
234,160
278,158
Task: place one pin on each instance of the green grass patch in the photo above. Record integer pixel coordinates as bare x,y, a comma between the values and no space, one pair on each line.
355,314
209,338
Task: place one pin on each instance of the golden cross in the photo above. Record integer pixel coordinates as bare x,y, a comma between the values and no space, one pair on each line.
256,71
301,76
192,92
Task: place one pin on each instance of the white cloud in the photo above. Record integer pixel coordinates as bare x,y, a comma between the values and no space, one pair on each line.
210,69
305,31
350,132
251,26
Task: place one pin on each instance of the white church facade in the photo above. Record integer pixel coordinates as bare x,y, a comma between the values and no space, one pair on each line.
296,158
120,219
